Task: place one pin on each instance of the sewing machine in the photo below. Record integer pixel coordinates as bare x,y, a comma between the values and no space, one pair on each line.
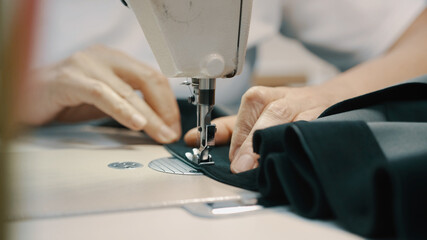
198,39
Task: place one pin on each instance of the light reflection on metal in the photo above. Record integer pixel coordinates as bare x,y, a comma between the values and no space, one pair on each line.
234,210
173,166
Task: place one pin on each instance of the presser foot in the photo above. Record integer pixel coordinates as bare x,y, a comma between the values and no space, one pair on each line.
200,157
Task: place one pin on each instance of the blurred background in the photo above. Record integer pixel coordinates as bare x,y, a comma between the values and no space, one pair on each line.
17,19
283,61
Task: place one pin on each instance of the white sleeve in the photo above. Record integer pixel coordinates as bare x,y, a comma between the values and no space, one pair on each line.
348,32
396,22
265,21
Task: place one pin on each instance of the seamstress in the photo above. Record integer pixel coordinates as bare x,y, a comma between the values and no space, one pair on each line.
374,43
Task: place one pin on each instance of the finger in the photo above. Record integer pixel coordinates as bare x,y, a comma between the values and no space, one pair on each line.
154,85
158,94
277,112
309,115
91,91
253,103
155,127
224,126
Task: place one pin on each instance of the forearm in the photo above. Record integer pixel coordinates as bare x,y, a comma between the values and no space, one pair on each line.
405,60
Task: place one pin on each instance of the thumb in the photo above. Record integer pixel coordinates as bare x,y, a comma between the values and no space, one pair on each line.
277,112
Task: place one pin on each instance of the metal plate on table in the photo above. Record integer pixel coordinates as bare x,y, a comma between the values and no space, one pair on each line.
125,165
174,166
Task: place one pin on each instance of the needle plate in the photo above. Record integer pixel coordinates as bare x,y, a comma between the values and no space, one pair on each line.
173,166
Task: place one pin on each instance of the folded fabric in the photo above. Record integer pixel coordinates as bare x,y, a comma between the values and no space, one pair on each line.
363,162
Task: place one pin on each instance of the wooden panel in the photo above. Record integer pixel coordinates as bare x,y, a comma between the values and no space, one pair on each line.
275,81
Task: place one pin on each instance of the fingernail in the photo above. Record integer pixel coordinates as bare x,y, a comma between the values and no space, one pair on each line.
167,134
243,163
138,121
192,131
191,138
234,153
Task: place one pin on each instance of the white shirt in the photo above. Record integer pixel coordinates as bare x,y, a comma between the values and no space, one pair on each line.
343,32
348,32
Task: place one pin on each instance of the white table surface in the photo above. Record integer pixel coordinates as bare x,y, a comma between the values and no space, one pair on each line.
63,189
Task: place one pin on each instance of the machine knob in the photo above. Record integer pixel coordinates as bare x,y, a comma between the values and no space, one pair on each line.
191,99
213,65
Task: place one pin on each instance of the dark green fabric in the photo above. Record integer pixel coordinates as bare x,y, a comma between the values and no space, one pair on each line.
410,182
363,162
324,178
221,170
